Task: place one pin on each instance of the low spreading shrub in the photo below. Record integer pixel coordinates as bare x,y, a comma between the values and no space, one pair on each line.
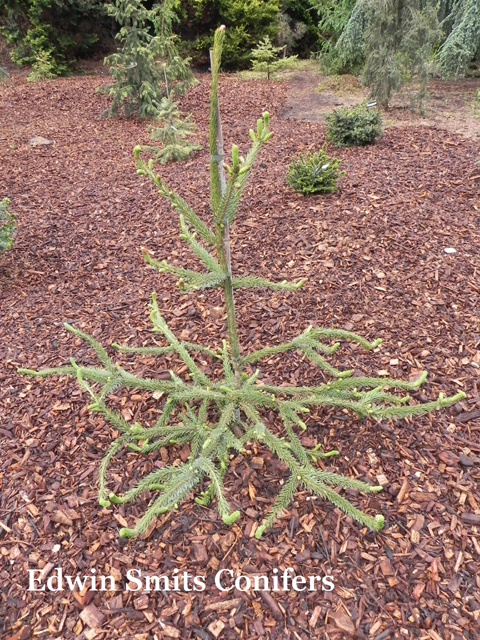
7,226
358,126
314,173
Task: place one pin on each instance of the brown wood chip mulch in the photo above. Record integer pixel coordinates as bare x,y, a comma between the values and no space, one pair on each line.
374,256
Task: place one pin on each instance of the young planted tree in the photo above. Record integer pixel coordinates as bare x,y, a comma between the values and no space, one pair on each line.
265,58
217,416
174,135
177,72
138,81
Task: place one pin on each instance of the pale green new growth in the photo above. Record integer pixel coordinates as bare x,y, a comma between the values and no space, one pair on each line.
217,416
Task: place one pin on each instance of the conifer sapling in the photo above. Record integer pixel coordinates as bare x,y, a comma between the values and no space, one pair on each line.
265,58
218,415
173,135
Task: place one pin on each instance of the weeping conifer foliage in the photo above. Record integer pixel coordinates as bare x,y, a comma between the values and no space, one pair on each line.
333,16
462,28
219,414
456,38
396,39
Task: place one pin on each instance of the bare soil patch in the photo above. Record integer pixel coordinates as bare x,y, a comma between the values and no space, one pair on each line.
374,256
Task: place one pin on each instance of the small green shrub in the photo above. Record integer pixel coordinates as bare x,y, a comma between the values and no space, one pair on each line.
7,226
357,126
314,173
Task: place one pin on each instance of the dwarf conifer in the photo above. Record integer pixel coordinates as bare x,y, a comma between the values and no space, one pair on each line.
174,134
216,415
314,173
356,126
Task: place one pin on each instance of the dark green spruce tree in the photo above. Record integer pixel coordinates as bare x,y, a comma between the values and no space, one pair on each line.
218,415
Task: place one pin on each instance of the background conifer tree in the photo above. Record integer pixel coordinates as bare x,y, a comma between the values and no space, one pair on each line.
138,75
462,28
52,34
332,17
396,38
457,42
247,22
266,58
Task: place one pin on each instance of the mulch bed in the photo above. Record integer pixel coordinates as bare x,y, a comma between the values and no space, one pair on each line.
374,256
